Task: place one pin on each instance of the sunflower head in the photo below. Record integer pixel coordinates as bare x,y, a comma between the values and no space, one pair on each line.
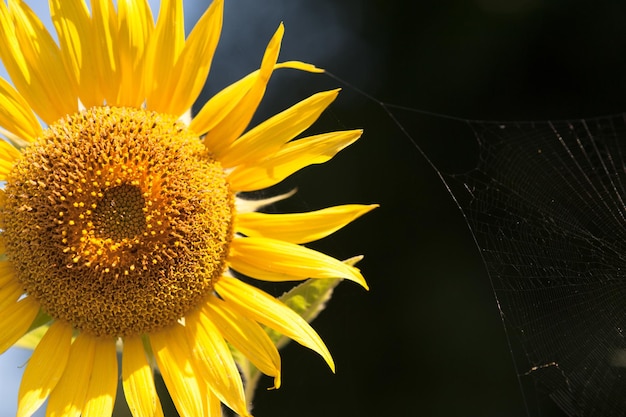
117,220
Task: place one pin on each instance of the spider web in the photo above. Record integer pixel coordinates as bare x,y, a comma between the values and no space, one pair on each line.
546,207
546,204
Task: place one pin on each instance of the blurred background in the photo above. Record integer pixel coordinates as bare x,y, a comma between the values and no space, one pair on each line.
427,339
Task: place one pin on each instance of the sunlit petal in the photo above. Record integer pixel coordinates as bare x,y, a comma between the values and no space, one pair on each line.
72,22
300,227
235,122
15,320
221,104
34,62
166,43
8,156
69,396
44,368
292,157
136,24
16,116
192,66
265,309
174,359
138,380
105,31
246,336
275,260
103,384
266,138
215,361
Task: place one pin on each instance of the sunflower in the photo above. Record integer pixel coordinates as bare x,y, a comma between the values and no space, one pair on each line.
121,216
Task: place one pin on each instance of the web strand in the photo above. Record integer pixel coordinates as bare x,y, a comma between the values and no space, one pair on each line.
546,207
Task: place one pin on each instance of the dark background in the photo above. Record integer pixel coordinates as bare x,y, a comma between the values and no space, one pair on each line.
427,340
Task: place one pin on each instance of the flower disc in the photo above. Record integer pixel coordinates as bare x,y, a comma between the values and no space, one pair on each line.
117,221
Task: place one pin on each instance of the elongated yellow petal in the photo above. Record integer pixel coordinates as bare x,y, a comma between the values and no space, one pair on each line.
7,273
8,156
166,44
105,33
300,227
290,158
266,138
246,336
103,383
16,115
213,405
34,62
302,66
79,47
68,397
174,358
192,67
232,126
262,307
138,380
10,293
275,260
15,320
12,57
220,105
135,27
247,206
44,368
215,361
71,21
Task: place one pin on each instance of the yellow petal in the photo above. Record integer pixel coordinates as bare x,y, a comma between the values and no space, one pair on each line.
105,50
12,56
16,116
44,368
8,156
292,157
300,227
68,397
215,361
269,136
34,62
138,380
135,27
10,293
231,127
103,383
16,319
246,336
7,273
192,67
79,47
260,306
166,44
213,405
302,66
173,356
220,105
275,260
247,206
